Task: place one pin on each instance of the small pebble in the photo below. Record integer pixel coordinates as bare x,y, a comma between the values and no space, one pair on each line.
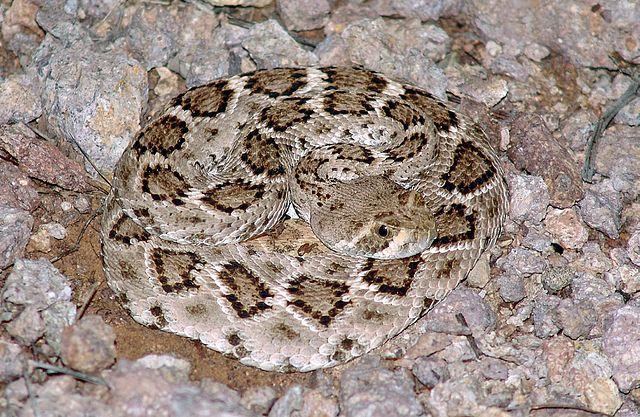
629,278
16,393
40,241
522,261
220,391
493,48
601,208
511,288
303,14
430,371
173,369
621,344
89,345
259,399
529,198
536,52
475,309
567,227
576,319
316,404
27,327
82,204
537,239
366,389
11,361
15,228
544,323
480,275
55,230
489,92
556,278
286,405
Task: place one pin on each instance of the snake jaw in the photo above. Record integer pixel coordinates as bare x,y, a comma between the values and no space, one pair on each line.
407,243
408,232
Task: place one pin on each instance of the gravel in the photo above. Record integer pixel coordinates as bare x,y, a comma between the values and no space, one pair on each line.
552,310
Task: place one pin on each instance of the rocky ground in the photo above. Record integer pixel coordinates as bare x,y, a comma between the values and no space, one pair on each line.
553,324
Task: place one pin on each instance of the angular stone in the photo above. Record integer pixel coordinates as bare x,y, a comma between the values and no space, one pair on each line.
529,198
15,229
621,344
11,361
567,227
89,345
303,14
369,390
601,208
27,327
534,149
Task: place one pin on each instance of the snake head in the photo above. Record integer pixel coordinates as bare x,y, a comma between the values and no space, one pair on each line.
380,220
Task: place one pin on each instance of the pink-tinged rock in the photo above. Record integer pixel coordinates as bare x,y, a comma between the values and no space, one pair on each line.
621,345
89,345
40,159
16,189
529,198
11,361
15,229
534,149
567,227
633,248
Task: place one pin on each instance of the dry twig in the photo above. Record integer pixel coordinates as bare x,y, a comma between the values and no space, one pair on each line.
588,169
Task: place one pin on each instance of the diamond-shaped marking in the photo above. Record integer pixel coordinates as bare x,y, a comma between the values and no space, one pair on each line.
319,299
246,293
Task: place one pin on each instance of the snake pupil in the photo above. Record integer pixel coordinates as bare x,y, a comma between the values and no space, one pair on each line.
383,231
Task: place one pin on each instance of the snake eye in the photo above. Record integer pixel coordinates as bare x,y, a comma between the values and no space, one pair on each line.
383,231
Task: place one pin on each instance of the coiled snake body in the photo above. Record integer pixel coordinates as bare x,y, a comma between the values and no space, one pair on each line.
398,196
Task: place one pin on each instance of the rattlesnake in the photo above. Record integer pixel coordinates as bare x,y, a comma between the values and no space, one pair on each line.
398,196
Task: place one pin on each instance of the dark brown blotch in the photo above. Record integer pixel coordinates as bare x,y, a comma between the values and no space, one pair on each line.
320,299
233,196
374,316
354,78
127,231
164,184
470,170
197,310
175,269
427,303
393,277
276,82
234,339
262,154
346,102
442,117
157,312
454,225
403,113
164,136
286,113
245,292
411,146
208,100
286,331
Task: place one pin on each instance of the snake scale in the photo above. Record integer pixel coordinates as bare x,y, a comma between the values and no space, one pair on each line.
396,194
